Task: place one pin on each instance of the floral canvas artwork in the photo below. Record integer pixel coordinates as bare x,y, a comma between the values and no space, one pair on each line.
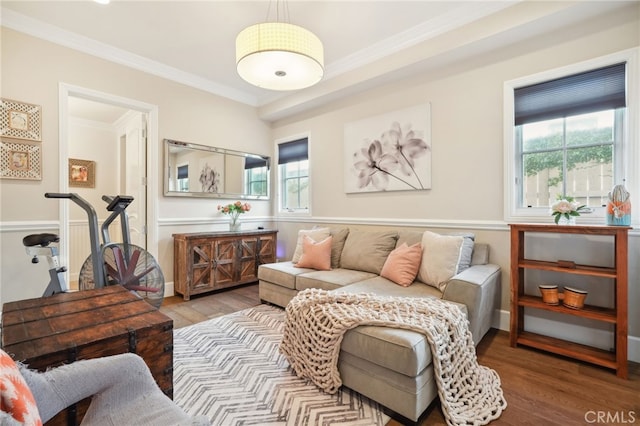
389,152
212,173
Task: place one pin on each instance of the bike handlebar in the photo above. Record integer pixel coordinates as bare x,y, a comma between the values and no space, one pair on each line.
57,195
98,275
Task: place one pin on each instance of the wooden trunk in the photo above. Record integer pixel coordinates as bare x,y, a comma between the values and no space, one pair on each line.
48,332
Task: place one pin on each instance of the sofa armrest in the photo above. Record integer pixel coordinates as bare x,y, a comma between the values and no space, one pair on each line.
477,287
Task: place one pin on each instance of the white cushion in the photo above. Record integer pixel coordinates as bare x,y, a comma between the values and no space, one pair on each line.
441,257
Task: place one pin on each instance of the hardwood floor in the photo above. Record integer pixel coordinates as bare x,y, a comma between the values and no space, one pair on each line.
540,388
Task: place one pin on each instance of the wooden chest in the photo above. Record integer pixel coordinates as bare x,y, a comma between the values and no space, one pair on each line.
47,332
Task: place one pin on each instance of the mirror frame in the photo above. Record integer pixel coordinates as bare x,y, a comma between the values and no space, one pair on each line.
170,143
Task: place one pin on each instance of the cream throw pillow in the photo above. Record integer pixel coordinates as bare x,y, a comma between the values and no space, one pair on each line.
441,256
317,235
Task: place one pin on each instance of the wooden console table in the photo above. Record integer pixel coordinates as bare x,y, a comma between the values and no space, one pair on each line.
210,261
617,315
51,331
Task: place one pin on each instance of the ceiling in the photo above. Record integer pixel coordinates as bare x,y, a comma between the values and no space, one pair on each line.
193,42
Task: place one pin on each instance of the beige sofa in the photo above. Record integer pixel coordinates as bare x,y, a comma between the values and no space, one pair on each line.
390,366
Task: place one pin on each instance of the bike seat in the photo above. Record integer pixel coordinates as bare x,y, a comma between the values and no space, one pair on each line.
40,240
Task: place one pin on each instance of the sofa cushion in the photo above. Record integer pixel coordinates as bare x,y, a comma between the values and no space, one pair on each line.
402,264
282,273
409,237
403,351
466,254
339,238
316,234
315,255
367,250
441,258
480,254
383,287
329,280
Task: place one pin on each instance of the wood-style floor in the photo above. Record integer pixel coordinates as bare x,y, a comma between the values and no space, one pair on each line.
540,388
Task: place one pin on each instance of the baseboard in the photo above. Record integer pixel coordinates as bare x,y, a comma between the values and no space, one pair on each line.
169,289
501,321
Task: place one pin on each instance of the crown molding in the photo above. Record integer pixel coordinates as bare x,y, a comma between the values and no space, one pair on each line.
415,35
33,27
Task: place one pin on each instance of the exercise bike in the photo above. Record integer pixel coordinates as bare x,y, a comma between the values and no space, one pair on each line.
38,245
117,263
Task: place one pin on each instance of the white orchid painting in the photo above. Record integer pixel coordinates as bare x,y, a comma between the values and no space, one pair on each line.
389,152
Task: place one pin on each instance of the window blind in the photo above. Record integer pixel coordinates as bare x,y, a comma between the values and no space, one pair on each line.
183,172
254,163
290,152
591,91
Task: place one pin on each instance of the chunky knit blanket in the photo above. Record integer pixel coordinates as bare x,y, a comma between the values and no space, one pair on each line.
316,321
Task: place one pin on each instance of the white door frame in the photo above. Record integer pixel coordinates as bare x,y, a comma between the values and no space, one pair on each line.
65,92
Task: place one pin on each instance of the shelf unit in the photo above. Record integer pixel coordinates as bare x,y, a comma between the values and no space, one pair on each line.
617,316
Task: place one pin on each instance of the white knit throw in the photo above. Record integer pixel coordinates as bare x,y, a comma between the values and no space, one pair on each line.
316,321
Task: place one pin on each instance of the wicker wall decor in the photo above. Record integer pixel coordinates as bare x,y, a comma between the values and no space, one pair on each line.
20,160
20,120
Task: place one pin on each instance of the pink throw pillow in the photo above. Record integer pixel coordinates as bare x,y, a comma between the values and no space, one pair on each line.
315,255
402,264
16,398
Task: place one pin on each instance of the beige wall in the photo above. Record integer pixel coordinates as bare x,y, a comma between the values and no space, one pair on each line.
467,144
466,123
32,70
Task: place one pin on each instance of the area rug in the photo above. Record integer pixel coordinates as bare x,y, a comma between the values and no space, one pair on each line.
230,370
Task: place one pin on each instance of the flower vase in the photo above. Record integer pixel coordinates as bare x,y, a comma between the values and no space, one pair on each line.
567,221
234,224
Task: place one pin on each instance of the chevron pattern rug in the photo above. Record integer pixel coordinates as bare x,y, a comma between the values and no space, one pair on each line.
229,369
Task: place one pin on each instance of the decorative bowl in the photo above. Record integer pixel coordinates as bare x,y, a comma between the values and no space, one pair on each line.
574,298
549,294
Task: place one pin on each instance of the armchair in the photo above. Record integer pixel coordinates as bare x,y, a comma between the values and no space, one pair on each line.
122,389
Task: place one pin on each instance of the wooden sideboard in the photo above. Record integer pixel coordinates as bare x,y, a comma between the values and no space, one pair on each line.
211,261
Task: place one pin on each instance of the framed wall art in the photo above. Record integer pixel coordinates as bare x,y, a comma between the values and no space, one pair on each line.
21,160
389,152
20,120
82,173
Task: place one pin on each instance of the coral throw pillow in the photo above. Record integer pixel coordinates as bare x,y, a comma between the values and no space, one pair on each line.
316,234
16,398
315,255
402,264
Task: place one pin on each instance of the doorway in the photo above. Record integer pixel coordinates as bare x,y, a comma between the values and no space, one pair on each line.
125,154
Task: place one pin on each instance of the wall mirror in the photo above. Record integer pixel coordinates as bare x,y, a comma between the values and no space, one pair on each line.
194,170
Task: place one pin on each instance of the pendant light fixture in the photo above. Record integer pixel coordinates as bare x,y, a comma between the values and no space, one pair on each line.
279,55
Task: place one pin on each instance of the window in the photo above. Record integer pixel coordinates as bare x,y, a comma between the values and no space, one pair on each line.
255,176
566,137
293,169
183,178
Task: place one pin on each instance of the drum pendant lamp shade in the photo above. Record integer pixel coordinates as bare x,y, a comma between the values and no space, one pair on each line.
279,56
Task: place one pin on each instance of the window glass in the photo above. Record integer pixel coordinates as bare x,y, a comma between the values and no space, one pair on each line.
293,172
571,156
